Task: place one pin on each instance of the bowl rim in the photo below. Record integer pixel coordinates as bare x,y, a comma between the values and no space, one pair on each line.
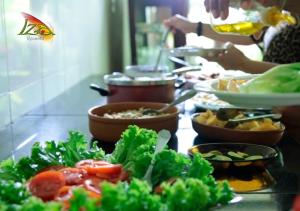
282,129
275,152
141,120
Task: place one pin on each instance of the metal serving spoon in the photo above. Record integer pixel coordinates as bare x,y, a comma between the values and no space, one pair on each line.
181,99
162,140
165,36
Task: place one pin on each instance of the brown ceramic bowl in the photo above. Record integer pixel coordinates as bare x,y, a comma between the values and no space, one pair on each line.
219,134
110,130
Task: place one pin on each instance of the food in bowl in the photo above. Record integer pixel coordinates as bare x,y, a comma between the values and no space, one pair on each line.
210,118
244,176
228,156
107,129
214,130
235,154
132,114
231,85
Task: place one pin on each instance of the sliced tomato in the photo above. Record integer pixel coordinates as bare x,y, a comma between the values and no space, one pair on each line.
90,162
93,184
64,193
123,176
74,176
46,185
53,168
101,168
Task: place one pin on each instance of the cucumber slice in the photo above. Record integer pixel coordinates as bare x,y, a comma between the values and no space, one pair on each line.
254,157
222,158
235,155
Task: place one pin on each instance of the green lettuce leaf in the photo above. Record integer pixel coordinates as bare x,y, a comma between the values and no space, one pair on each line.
169,164
135,196
188,195
135,150
199,168
12,192
82,201
280,79
66,153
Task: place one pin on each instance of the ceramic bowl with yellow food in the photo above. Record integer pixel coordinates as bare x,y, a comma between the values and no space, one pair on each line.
262,131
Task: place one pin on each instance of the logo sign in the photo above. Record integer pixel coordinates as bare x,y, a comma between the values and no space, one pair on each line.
35,29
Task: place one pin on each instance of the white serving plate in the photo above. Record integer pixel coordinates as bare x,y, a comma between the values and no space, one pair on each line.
250,100
198,51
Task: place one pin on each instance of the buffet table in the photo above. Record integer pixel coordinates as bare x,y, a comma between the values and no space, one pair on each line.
69,112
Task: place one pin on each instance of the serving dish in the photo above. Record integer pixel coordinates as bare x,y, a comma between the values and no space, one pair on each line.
73,175
266,154
209,101
221,134
250,100
110,130
202,51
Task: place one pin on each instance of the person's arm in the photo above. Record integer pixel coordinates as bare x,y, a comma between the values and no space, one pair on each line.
234,59
255,67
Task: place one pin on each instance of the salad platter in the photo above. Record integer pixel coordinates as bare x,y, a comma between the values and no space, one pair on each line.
253,100
69,175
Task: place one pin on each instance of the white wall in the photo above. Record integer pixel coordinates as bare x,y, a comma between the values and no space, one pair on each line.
34,72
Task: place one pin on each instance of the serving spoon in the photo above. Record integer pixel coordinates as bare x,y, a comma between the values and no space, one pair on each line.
165,36
162,140
181,99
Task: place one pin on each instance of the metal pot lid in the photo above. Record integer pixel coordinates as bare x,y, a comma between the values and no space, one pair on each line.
146,71
117,78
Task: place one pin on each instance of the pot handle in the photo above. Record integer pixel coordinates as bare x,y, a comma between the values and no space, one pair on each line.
102,92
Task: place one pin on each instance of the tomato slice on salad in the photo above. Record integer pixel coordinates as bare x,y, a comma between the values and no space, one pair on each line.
93,184
74,176
100,168
53,168
46,185
64,193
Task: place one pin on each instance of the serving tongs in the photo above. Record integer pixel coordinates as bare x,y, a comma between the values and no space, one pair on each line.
227,113
231,123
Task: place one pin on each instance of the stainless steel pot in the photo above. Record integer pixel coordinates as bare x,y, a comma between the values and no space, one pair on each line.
123,88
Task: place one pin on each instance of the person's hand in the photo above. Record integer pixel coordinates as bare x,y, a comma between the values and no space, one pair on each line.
220,8
181,23
231,59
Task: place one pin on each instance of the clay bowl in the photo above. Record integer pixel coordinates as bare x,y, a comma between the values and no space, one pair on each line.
110,130
220,134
